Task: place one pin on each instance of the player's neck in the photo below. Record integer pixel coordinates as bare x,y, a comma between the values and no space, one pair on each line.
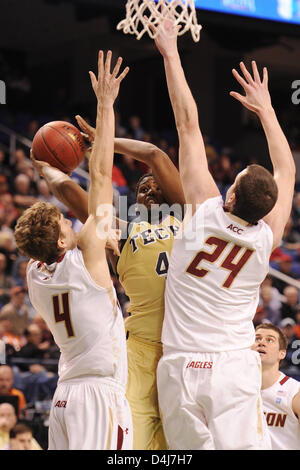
237,219
270,375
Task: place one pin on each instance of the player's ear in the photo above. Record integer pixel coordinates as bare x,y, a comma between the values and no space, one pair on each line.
282,354
61,244
231,201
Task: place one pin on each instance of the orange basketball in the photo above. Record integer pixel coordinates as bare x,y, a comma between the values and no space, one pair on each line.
60,144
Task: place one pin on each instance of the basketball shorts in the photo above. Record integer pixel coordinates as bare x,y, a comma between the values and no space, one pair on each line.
143,357
211,401
90,413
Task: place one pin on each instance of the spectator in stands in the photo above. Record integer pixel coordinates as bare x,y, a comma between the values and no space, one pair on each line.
20,278
270,304
6,386
291,238
288,308
44,192
14,436
135,127
6,282
23,193
4,167
34,348
285,266
10,211
16,311
297,324
287,327
4,187
18,158
8,419
21,438
260,316
13,342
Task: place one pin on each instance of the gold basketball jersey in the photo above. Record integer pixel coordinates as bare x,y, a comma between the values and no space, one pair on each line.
142,269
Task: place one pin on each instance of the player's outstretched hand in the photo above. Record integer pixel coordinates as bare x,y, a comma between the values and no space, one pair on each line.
165,34
107,85
257,98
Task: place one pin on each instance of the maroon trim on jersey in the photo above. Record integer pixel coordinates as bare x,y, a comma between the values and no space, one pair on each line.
120,438
282,381
61,258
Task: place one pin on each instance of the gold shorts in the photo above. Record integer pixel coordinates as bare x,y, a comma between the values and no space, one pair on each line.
143,357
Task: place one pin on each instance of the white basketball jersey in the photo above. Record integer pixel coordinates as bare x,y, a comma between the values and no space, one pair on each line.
283,425
212,290
84,318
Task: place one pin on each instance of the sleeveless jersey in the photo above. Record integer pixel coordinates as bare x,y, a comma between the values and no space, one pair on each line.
84,318
212,289
283,424
142,269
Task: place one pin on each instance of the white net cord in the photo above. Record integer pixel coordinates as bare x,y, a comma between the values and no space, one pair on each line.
183,11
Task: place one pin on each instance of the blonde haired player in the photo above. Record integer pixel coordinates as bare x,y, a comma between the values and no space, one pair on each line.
70,286
280,393
209,378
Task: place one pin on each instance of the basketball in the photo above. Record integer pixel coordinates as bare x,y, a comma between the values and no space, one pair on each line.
60,144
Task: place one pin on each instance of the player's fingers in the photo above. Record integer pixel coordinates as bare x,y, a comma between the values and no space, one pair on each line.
117,67
100,64
255,72
240,79
265,76
108,62
246,73
238,96
81,122
150,25
123,74
94,81
32,155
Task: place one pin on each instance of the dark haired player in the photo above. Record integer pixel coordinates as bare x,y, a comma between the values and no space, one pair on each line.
209,378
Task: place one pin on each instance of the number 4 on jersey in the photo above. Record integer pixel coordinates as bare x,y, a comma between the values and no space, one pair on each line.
162,264
61,309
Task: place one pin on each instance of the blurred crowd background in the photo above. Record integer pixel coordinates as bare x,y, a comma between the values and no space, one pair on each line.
45,70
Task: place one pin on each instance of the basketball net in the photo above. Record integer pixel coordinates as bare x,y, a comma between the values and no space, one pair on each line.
183,12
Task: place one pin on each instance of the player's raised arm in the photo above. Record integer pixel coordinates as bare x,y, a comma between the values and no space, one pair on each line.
198,184
163,169
257,99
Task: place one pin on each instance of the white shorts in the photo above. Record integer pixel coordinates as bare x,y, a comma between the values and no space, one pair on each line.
212,401
89,414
